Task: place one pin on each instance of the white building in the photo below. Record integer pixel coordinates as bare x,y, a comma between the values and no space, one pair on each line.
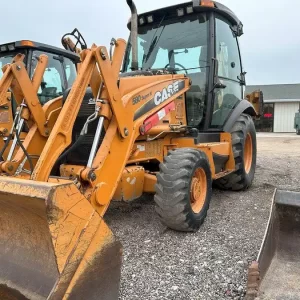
281,102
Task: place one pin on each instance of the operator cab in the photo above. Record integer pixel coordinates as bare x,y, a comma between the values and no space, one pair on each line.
199,39
59,74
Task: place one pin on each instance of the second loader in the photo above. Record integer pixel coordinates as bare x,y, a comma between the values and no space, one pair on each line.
171,123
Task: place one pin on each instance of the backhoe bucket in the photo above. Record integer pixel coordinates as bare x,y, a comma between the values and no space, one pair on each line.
276,274
54,245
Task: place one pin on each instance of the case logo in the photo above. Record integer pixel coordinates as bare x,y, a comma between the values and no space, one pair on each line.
166,93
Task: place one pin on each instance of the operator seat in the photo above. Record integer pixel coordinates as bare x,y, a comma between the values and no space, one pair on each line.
80,155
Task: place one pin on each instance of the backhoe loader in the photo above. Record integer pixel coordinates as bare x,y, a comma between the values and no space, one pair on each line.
170,124
59,73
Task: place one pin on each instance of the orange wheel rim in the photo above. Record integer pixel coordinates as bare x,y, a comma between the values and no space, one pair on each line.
248,153
198,190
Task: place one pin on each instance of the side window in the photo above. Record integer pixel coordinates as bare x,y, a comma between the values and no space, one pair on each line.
53,83
70,70
227,53
6,59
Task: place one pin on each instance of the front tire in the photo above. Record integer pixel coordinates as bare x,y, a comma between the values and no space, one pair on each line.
245,150
183,189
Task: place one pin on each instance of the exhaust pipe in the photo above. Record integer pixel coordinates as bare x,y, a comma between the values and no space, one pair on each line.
134,35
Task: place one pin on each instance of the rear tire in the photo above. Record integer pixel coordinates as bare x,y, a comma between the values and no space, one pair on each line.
244,149
183,189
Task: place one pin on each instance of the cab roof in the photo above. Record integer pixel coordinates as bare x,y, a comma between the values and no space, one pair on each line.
194,7
27,44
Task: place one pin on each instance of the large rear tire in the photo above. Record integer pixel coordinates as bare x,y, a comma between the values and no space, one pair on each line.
244,149
183,189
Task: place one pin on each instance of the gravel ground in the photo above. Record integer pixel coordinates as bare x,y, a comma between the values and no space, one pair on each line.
212,263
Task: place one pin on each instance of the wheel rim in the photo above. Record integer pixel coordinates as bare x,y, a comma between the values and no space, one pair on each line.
198,190
248,153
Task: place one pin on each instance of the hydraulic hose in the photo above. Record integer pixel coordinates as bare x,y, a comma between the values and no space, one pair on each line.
25,152
9,138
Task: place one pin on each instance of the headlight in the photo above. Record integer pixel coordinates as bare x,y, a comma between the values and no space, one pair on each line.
142,21
150,19
180,12
11,47
189,10
3,48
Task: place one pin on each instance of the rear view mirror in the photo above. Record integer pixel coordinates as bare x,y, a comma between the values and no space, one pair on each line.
217,82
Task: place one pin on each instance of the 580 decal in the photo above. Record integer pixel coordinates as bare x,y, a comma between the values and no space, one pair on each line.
139,98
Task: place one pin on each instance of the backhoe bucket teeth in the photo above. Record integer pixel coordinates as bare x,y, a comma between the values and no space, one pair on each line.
54,245
276,274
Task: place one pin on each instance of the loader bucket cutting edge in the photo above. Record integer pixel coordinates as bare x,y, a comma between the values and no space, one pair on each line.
276,274
54,245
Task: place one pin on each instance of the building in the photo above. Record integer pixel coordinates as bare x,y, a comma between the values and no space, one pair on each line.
281,102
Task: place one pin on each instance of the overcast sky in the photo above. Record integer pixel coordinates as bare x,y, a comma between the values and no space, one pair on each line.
270,45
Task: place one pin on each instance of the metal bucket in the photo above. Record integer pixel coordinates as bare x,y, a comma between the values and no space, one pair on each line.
276,274
54,245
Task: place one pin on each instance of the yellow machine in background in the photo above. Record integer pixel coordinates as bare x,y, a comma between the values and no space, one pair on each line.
159,127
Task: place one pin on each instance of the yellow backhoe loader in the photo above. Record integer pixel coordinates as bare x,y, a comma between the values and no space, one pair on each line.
170,124
58,75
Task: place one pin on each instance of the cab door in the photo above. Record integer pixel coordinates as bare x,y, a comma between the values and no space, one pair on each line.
229,72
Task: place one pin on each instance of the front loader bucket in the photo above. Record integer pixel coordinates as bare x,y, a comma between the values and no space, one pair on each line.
54,245
276,274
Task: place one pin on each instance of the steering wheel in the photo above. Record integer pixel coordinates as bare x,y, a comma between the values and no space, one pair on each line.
181,66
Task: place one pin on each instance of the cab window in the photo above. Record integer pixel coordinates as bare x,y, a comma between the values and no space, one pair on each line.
229,72
53,82
6,59
70,70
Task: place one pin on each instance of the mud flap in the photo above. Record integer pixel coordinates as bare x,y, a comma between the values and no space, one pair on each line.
54,245
276,274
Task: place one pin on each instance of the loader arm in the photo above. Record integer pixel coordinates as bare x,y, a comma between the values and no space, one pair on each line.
45,116
116,151
34,142
122,132
17,78
36,79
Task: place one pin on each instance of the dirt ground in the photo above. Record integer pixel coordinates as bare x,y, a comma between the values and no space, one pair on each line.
212,263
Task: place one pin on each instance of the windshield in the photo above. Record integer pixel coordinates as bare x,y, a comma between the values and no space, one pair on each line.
180,46
58,76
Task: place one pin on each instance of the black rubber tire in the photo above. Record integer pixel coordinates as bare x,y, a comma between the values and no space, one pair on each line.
173,187
298,131
240,180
